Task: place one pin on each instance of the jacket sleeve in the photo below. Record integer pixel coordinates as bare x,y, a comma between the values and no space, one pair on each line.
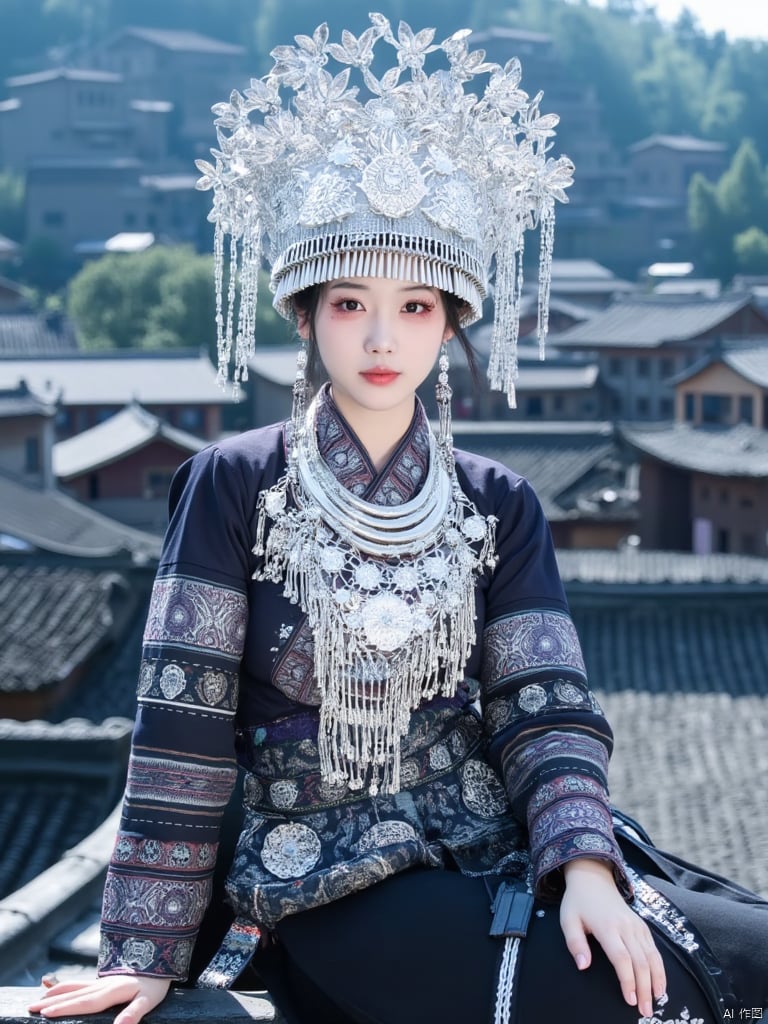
182,765
549,738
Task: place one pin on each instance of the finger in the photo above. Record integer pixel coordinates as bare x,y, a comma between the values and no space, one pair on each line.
576,940
621,960
640,954
136,1010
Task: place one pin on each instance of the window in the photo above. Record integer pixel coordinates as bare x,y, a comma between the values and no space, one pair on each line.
157,483
748,544
190,418
643,407
746,502
666,409
715,409
53,218
94,489
722,541
746,409
690,407
616,367
643,367
534,406
724,496
32,455
557,403
667,367
129,220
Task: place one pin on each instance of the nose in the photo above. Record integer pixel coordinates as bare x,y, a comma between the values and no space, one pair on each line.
381,335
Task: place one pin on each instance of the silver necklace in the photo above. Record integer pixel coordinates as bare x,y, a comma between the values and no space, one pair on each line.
389,594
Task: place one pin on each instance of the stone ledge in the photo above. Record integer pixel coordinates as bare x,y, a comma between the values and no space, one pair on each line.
180,1007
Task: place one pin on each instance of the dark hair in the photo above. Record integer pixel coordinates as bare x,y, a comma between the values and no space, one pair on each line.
307,301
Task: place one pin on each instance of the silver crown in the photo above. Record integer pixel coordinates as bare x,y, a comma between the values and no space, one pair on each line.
424,180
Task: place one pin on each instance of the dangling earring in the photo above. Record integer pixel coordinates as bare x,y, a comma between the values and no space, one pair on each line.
299,407
444,393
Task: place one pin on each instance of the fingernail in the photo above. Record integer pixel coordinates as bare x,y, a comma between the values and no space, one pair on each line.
581,961
632,998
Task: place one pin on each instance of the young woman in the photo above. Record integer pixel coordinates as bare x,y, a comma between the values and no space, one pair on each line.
371,627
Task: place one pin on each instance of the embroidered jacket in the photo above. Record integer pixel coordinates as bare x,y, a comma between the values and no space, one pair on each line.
227,678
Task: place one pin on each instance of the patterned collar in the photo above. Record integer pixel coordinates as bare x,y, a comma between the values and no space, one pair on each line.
342,451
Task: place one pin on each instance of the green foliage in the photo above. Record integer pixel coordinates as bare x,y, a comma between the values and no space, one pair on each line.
751,250
11,206
161,298
727,218
44,265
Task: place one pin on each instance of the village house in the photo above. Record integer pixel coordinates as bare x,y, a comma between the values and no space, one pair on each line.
178,386
123,467
642,342
704,478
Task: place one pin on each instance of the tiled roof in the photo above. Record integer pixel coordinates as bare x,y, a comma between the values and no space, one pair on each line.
51,521
741,450
178,39
28,334
20,401
68,74
57,784
679,678
686,143
552,456
649,321
127,431
53,621
749,361
117,378
635,568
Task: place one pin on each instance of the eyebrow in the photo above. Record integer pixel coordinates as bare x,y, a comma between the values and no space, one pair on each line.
365,287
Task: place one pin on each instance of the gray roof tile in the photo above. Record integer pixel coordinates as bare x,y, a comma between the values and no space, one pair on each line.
127,431
27,334
51,521
652,320
741,450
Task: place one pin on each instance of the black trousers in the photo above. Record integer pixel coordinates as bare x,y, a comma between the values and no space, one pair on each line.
415,949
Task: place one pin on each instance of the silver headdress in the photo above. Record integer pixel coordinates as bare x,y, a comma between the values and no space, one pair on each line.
424,181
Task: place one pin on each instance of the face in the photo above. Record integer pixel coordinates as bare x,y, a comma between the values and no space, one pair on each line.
378,340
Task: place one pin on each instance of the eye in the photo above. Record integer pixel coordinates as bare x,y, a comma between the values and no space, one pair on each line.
348,305
417,307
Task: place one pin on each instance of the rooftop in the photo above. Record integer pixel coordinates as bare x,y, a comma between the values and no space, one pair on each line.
127,431
19,401
32,334
554,457
737,451
119,377
180,41
50,521
749,361
649,321
684,143
63,74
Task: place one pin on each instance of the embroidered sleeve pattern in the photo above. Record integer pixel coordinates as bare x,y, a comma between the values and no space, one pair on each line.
550,740
180,777
195,615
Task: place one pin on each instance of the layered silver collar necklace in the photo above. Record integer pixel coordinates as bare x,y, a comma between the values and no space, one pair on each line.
389,594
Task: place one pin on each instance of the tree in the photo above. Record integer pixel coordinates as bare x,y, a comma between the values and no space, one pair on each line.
751,250
11,206
161,298
742,192
728,217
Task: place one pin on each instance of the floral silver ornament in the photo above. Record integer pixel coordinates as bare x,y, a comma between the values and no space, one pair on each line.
532,698
291,851
386,833
172,681
433,179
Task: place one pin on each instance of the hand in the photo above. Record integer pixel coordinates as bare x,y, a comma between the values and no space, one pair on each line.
69,998
593,905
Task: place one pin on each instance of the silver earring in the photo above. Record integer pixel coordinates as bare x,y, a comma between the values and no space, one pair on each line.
299,407
444,393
